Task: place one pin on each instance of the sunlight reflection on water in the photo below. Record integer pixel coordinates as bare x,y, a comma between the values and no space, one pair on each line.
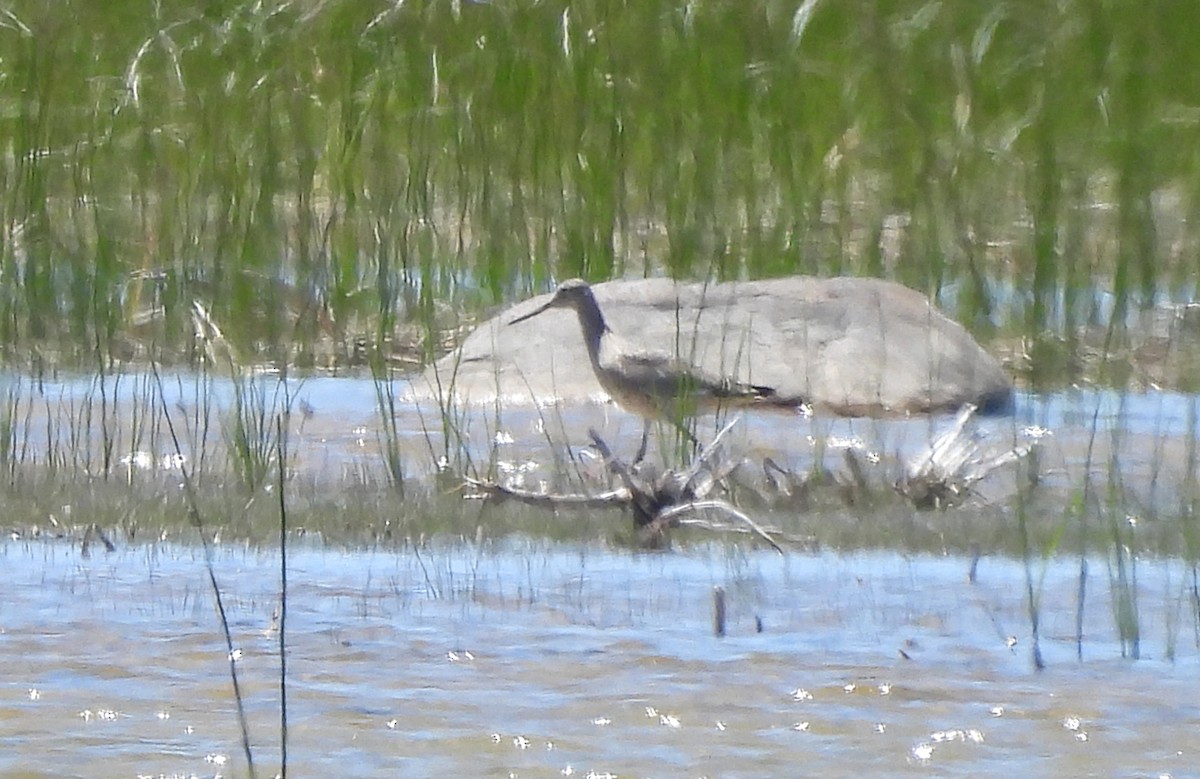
338,437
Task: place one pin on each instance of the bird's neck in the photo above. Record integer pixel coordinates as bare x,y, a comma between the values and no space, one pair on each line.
594,329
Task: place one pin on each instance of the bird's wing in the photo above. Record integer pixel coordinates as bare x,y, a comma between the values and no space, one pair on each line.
664,376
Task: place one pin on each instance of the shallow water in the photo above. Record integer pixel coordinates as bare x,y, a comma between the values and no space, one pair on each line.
525,658
338,436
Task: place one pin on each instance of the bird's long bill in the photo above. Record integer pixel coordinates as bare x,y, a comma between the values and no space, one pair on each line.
533,313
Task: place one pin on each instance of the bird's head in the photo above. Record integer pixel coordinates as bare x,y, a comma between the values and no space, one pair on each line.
573,293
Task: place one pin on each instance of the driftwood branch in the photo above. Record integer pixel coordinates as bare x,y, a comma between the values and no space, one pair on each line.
657,503
946,472
718,505
942,475
485,490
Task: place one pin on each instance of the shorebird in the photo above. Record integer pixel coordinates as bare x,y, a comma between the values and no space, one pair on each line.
651,384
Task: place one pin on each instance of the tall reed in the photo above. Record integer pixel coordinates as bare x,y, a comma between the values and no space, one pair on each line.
340,173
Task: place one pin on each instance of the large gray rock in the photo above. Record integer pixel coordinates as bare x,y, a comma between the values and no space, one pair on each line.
848,346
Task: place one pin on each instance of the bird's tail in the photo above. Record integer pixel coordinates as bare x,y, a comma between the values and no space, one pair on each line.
735,389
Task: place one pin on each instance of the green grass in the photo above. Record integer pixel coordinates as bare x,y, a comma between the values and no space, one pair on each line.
344,172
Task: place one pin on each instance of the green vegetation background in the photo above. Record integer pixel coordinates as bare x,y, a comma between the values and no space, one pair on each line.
336,177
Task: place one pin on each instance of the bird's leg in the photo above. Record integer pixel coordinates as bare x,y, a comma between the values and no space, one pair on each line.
641,452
